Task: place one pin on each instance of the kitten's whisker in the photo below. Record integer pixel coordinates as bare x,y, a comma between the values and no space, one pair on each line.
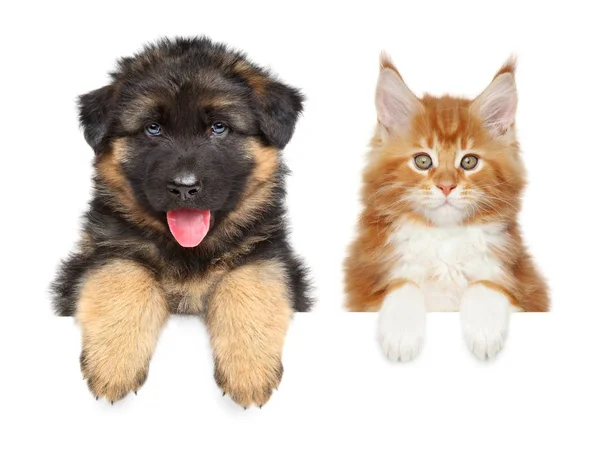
491,207
503,200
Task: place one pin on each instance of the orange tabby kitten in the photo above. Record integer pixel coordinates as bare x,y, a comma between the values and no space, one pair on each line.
439,232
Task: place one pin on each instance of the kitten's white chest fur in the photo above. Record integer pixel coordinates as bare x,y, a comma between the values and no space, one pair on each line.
443,261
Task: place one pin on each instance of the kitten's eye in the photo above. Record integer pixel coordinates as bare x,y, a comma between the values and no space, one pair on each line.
153,129
218,128
469,162
423,161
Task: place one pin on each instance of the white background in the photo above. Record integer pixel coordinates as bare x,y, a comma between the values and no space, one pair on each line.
340,403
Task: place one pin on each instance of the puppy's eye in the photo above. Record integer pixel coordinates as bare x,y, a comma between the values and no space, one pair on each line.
469,162
423,161
153,129
218,128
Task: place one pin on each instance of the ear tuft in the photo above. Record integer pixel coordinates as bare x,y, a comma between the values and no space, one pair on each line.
94,114
385,61
395,102
497,104
510,66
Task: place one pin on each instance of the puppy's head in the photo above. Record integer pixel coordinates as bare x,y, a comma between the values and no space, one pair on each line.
182,130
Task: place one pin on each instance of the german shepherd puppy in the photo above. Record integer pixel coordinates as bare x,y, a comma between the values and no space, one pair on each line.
187,217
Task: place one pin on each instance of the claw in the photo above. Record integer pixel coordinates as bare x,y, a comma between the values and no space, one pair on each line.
223,393
112,403
135,392
245,408
97,398
260,406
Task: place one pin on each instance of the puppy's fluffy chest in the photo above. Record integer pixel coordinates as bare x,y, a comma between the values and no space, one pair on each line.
189,296
443,261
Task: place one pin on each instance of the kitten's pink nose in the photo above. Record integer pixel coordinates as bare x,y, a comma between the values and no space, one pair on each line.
446,188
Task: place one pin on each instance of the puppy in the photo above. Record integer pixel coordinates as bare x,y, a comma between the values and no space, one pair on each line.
187,217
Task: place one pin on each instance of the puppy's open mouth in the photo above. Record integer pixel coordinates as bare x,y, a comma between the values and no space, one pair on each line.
189,226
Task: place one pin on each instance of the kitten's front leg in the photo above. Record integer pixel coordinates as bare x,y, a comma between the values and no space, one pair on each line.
401,324
484,313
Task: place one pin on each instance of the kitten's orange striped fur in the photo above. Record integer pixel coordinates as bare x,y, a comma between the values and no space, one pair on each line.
399,196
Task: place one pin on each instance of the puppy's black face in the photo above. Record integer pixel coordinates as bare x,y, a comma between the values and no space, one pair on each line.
187,146
180,122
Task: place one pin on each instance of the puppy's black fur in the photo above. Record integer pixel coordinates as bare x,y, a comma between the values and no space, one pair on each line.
185,86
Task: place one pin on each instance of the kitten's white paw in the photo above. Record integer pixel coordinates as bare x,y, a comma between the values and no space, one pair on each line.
401,326
484,315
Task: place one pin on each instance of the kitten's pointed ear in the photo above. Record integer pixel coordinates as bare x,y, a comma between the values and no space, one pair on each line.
94,114
497,105
395,102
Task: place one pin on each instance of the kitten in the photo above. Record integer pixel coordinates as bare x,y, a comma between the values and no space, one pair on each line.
439,231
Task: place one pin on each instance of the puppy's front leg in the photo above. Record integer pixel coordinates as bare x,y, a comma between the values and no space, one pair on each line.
247,317
121,310
484,314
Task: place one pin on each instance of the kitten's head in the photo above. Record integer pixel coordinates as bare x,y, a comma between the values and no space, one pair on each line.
446,160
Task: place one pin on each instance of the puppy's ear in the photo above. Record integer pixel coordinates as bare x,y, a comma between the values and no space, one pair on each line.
94,114
278,108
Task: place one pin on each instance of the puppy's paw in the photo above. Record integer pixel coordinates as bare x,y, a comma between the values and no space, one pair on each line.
401,326
484,315
112,375
249,380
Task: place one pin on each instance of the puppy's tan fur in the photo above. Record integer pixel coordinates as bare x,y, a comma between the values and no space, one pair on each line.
123,308
121,311
109,170
247,318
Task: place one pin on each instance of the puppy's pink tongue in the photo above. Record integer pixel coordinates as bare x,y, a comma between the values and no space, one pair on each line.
188,226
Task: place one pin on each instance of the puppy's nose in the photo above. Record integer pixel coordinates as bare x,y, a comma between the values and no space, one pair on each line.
446,188
185,186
